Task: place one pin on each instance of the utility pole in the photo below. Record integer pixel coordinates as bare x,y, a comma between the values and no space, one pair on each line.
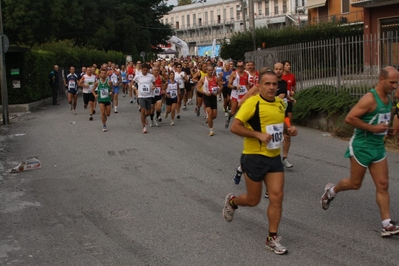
4,96
252,21
243,15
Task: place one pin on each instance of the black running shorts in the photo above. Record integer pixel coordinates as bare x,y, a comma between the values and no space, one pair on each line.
257,166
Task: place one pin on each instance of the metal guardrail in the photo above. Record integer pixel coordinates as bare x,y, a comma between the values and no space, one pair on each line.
350,63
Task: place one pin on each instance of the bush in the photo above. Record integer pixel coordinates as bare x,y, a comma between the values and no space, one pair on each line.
322,99
67,54
34,69
341,129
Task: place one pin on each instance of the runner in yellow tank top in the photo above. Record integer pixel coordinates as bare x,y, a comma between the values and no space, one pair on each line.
260,121
198,77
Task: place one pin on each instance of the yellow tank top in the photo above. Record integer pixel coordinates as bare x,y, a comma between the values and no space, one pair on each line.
264,116
203,74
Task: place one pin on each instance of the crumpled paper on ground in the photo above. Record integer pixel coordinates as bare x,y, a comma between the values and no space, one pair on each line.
28,164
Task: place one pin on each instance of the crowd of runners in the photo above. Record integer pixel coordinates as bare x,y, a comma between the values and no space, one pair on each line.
262,103
163,89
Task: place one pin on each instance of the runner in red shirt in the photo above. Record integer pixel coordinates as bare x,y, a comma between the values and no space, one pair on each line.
130,76
211,86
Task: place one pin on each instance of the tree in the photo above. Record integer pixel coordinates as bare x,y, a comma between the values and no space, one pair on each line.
123,25
184,2
189,2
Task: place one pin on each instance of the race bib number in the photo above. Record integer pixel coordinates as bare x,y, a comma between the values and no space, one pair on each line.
104,94
383,119
146,89
242,90
157,91
130,77
214,89
276,131
91,84
173,94
123,79
71,84
114,80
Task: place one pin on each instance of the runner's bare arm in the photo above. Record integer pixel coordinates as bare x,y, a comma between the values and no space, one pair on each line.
199,86
239,129
366,104
81,82
231,79
93,90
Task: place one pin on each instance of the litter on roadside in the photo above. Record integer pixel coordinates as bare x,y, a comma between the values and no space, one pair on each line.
28,164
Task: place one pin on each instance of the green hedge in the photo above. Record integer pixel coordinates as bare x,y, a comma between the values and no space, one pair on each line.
322,99
35,65
329,100
68,54
34,68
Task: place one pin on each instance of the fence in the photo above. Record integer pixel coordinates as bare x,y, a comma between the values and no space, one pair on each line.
350,63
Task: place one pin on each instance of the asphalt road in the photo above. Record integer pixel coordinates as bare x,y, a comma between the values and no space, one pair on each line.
127,198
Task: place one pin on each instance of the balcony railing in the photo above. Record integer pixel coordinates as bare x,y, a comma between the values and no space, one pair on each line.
372,3
359,1
220,23
352,17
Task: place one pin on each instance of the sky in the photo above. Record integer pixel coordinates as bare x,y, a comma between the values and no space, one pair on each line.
172,2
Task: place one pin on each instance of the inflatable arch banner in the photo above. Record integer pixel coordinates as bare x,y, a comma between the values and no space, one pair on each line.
180,44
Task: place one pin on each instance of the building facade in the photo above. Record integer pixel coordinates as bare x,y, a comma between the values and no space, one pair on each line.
340,11
381,20
201,23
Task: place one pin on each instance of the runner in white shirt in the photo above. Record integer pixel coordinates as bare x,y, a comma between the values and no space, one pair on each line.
181,78
172,92
86,82
145,86
137,72
116,79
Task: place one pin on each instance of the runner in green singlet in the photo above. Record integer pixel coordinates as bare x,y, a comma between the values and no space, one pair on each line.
370,117
103,94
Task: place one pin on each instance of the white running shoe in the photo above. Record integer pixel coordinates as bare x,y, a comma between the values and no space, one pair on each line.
287,164
273,244
228,210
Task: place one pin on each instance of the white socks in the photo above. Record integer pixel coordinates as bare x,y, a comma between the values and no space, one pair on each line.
386,222
332,193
